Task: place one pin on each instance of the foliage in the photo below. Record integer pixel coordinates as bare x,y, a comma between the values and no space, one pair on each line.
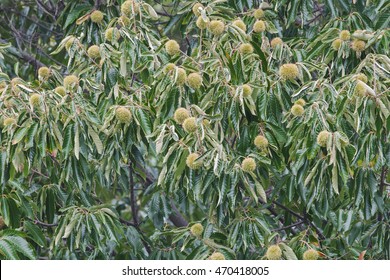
107,168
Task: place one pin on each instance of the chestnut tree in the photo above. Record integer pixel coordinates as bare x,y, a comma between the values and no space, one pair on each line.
194,130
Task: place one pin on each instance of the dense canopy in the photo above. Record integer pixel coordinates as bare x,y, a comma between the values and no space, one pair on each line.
194,129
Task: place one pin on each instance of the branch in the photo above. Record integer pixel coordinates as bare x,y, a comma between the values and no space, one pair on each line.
48,10
176,217
146,244
382,188
288,210
305,219
134,210
273,212
302,218
127,223
38,222
40,24
382,183
133,200
23,55
97,4
58,8
289,226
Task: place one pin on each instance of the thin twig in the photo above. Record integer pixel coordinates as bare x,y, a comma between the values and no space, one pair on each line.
133,201
176,217
382,188
146,244
127,223
305,219
276,215
23,55
38,222
289,226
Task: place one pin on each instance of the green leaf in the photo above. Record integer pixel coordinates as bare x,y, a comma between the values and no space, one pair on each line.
144,122
3,158
331,7
112,77
14,210
5,210
96,140
76,142
262,56
109,212
335,178
21,245
149,9
68,140
50,204
31,134
292,12
36,233
58,134
288,252
260,191
19,135
7,250
263,225
249,189
69,228
75,14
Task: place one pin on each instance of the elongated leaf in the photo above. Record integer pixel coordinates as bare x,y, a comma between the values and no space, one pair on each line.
21,245
144,122
261,192
30,135
335,179
68,140
288,252
76,142
36,233
19,135
75,13
5,210
69,227
96,140
7,251
109,212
